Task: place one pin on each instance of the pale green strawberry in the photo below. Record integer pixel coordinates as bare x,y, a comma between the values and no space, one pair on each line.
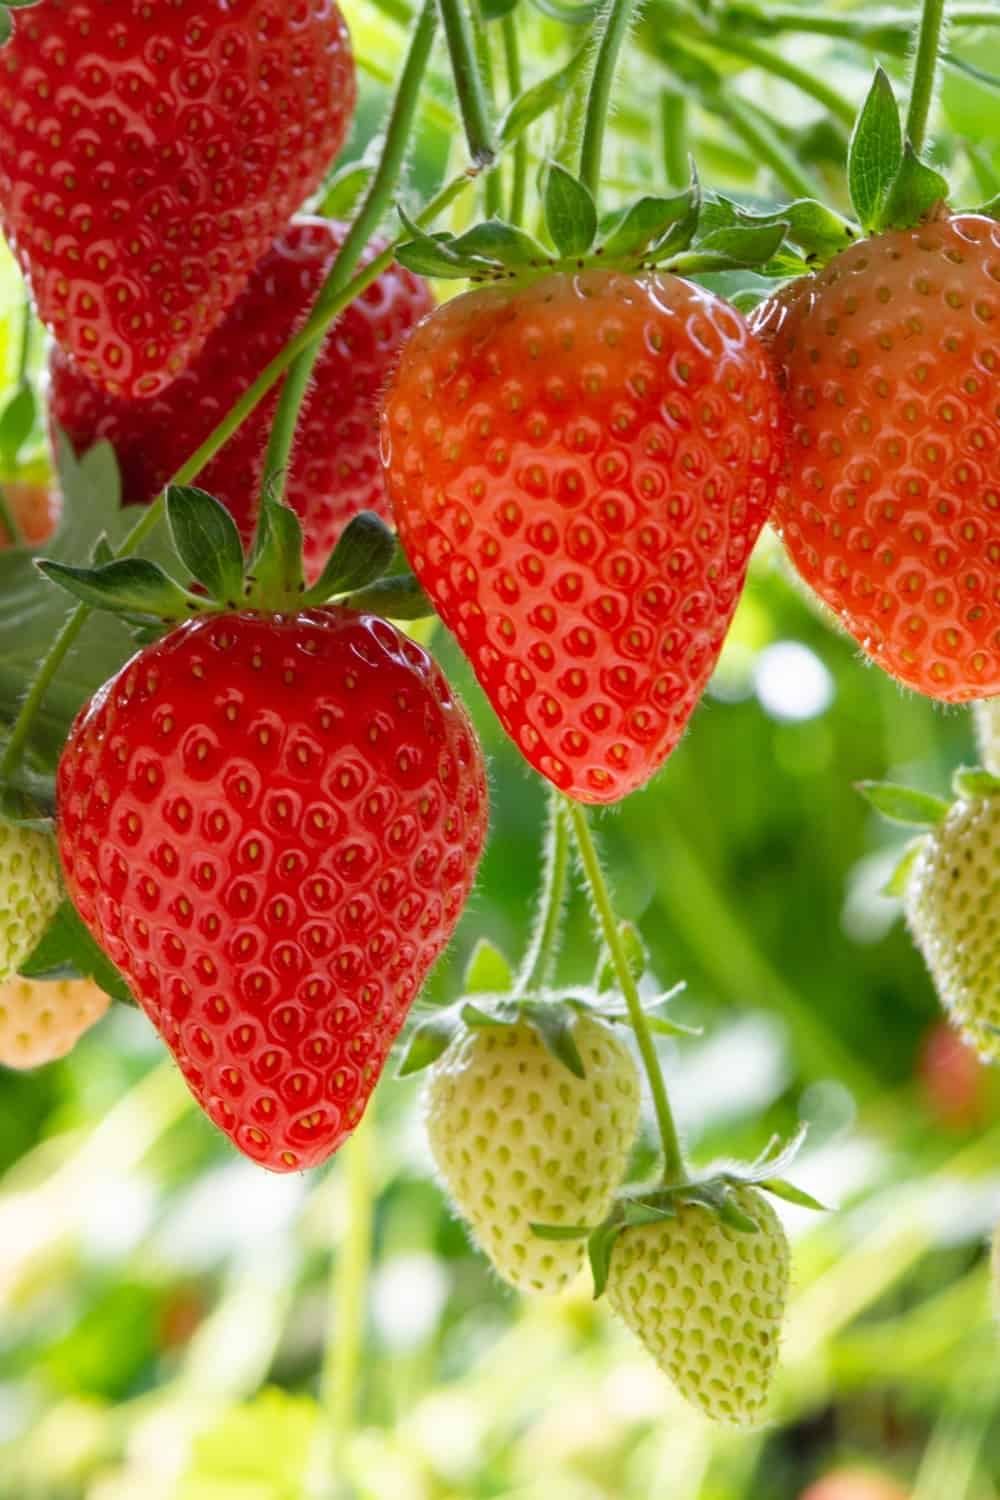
952,903
519,1139
29,892
707,1301
986,719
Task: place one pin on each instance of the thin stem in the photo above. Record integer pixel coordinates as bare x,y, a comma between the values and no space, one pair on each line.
924,72
8,521
515,80
772,62
374,205
673,1165
673,135
492,185
346,1309
540,957
617,18
468,81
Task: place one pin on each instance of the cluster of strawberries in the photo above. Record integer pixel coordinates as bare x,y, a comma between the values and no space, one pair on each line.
271,818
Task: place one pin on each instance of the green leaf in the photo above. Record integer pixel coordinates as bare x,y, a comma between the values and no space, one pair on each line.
365,549
736,247
500,1013
570,212
399,598
787,1191
495,10
599,1250
875,151
16,424
488,971
428,1041
635,958
496,240
67,951
207,542
635,1211
432,255
541,97
275,567
560,1231
131,586
903,804
647,222
554,1024
900,878
915,190
344,191
814,228
974,781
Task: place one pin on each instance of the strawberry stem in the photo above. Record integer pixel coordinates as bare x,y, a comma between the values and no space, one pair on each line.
543,947
347,1305
515,82
617,18
373,207
924,72
468,81
673,1164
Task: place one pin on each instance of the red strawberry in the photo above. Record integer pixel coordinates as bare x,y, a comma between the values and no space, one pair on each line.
889,360
335,471
579,469
271,825
149,155
34,507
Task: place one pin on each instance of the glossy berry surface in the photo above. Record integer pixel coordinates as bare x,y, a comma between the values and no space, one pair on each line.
579,469
42,1020
149,156
335,470
271,826
889,360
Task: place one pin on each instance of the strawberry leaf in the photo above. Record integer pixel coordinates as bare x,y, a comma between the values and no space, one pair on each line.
495,241
787,1191
900,878
570,212
903,804
207,542
364,550
875,151
428,1041
599,1249
973,781
399,598
131,586
541,97
553,1023
634,1211
488,971
67,951
560,1231
275,565
649,221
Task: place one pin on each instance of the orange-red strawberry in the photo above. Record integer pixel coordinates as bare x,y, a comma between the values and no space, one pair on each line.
149,155
335,470
579,468
34,508
271,825
889,359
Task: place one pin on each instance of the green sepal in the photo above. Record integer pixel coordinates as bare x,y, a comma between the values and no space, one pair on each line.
875,151
789,1193
24,811
102,552
736,247
719,1200
599,1248
541,97
817,230
570,211
975,781
898,881
503,1011
16,424
207,542
131,586
397,598
635,956
560,1231
496,242
429,1041
635,1212
67,951
660,225
904,804
488,970
274,571
990,210
914,192
343,191
554,1025
432,254
364,551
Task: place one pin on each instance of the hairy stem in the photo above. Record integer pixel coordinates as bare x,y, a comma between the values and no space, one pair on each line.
468,81
375,204
539,960
924,72
616,23
673,1165
515,80
673,134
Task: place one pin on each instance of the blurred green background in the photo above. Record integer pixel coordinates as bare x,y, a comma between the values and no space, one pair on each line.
166,1306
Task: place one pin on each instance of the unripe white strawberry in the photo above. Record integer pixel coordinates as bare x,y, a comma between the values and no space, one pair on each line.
41,1020
986,719
707,1301
29,892
952,904
519,1139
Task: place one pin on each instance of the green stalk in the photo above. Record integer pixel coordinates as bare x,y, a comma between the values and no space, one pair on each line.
673,1165
492,185
924,72
780,67
617,17
540,957
376,202
468,81
9,521
346,1311
515,81
673,136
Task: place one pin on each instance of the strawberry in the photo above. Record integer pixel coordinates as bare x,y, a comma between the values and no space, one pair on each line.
271,823
34,507
41,1020
579,468
854,1484
950,900
952,1079
149,155
519,1139
335,471
986,720
888,359
29,892
707,1301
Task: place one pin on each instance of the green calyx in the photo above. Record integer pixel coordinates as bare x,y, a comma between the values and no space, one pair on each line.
365,570
890,186
912,808
713,1192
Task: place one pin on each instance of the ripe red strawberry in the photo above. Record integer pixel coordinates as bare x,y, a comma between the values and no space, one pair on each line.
579,469
149,155
335,470
271,825
889,360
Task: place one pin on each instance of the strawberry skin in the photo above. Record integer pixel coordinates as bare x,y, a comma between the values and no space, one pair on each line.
42,1020
335,470
149,155
271,826
579,469
29,892
889,359
519,1139
707,1301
